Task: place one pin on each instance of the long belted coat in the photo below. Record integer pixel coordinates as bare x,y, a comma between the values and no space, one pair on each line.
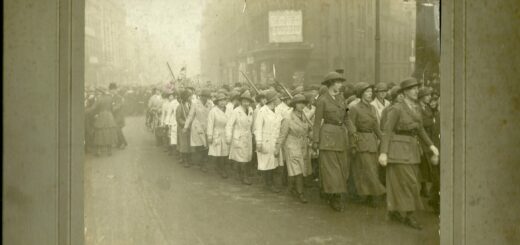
171,120
267,129
183,138
197,122
239,135
217,120
294,139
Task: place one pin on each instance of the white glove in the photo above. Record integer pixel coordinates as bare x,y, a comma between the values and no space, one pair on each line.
383,159
435,160
434,150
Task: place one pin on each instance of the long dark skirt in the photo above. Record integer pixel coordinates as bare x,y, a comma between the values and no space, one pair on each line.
183,141
334,170
365,172
426,168
105,136
403,187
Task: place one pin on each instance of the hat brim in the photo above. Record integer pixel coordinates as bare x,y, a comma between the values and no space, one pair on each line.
219,99
330,81
302,101
361,91
409,87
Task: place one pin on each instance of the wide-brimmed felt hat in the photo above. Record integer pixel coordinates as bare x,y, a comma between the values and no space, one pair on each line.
408,83
185,94
393,92
247,96
381,87
219,97
260,96
360,88
271,95
425,91
205,93
299,98
311,95
332,77
234,95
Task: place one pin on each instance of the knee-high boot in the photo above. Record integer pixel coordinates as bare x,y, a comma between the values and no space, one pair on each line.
291,182
270,181
223,167
243,174
299,188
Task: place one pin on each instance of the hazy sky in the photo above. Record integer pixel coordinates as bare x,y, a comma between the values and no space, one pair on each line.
174,26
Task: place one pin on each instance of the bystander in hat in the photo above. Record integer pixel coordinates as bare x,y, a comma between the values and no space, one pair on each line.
381,87
271,95
299,98
360,88
219,97
332,77
408,83
247,96
424,91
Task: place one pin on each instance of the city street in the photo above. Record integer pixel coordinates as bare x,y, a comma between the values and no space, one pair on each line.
140,195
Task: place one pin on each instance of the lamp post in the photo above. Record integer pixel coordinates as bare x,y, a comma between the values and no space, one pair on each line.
377,58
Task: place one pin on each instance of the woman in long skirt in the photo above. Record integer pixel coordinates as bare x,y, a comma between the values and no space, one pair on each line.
105,127
365,168
218,147
401,154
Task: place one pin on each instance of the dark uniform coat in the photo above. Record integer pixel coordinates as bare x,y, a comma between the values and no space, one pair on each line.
330,132
365,168
402,127
426,165
183,138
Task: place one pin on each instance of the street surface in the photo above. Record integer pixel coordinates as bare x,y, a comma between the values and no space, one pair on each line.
142,196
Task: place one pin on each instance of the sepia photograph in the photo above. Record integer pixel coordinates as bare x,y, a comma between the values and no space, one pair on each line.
261,122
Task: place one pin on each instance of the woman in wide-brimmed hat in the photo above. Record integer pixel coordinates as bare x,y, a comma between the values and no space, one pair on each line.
401,154
218,147
294,139
240,137
330,137
365,168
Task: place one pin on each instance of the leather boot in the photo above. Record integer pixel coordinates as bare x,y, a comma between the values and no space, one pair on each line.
299,188
243,174
222,165
272,186
412,222
290,185
186,160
